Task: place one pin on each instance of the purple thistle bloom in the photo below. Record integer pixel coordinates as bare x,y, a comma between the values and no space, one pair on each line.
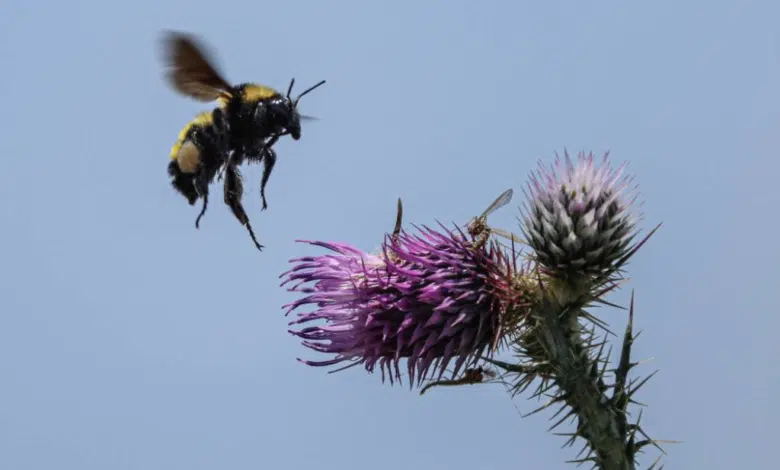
577,216
429,298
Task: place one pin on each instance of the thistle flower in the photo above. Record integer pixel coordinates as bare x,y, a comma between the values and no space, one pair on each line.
577,217
428,298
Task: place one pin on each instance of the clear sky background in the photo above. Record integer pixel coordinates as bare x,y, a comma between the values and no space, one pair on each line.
129,340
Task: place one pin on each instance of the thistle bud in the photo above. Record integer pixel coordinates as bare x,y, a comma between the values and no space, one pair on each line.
577,217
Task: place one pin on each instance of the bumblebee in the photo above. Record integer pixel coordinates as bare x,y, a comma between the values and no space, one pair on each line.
248,120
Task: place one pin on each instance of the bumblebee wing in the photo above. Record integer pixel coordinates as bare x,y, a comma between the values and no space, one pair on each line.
190,68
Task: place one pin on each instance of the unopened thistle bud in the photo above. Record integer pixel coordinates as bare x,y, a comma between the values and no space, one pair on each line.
577,217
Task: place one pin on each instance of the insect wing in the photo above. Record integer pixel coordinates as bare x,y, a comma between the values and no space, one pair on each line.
508,235
500,202
190,69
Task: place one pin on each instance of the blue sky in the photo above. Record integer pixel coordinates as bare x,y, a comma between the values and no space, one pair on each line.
129,340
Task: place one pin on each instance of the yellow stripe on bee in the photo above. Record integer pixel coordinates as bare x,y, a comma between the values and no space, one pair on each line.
223,99
202,119
253,92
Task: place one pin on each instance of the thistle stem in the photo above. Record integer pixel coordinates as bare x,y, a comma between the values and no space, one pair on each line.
581,386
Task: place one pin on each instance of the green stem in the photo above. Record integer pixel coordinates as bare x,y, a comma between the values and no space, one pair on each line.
577,375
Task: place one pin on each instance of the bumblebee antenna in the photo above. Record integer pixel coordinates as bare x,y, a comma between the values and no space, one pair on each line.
289,89
307,91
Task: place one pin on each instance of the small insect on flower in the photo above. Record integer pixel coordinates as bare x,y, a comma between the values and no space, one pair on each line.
471,376
429,298
248,121
479,227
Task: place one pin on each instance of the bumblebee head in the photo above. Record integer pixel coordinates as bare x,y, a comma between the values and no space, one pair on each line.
292,115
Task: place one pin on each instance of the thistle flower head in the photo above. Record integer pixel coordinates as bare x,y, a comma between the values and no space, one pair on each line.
428,298
577,217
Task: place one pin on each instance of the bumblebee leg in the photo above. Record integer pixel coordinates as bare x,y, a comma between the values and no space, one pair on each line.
234,189
269,160
229,160
228,163
202,185
203,209
183,183
213,143
205,178
268,156
221,140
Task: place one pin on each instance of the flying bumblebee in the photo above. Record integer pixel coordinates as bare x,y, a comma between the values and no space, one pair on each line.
246,123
